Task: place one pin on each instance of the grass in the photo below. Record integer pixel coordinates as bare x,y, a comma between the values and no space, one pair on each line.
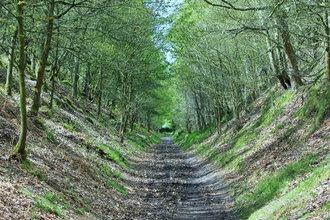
316,107
108,171
117,186
269,187
113,155
194,137
68,126
235,153
51,137
28,167
48,206
274,108
49,202
298,199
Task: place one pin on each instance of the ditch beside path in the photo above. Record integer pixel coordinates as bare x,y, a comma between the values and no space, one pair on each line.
174,184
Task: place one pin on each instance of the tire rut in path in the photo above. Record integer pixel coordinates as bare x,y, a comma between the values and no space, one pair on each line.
179,186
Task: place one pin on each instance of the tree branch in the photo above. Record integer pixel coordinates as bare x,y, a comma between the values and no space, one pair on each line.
237,31
230,6
69,8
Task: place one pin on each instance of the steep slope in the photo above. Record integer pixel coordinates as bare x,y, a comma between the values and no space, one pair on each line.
278,157
75,162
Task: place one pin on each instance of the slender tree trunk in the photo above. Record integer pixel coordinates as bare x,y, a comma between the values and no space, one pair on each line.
20,146
75,77
87,81
123,107
327,44
99,101
9,79
43,61
149,120
290,53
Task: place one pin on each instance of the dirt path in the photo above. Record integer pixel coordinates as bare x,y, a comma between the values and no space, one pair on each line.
174,184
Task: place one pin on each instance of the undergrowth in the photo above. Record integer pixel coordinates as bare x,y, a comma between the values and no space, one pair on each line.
194,137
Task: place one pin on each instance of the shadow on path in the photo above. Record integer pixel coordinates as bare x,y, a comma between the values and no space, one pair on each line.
176,185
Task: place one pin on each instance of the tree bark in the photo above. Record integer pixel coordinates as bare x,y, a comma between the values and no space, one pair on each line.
99,98
20,146
43,61
327,44
75,77
290,53
87,81
9,78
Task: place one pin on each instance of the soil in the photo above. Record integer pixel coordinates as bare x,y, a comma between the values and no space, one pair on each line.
174,184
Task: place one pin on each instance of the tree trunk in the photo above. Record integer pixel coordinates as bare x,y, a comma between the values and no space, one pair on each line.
290,53
99,98
327,44
20,146
9,78
75,77
87,81
43,61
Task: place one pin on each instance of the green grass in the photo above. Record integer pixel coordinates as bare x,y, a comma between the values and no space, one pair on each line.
272,185
297,199
278,127
316,107
243,139
69,127
51,136
49,202
28,167
113,155
108,172
48,206
195,137
79,211
117,186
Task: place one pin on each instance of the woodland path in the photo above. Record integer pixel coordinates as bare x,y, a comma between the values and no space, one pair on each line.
174,184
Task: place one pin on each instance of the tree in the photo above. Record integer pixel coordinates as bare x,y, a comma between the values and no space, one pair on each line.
20,146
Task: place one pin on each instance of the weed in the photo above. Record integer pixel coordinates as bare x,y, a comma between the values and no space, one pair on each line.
46,111
79,211
117,174
69,127
120,189
26,192
27,166
51,136
112,154
278,127
48,206
106,169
